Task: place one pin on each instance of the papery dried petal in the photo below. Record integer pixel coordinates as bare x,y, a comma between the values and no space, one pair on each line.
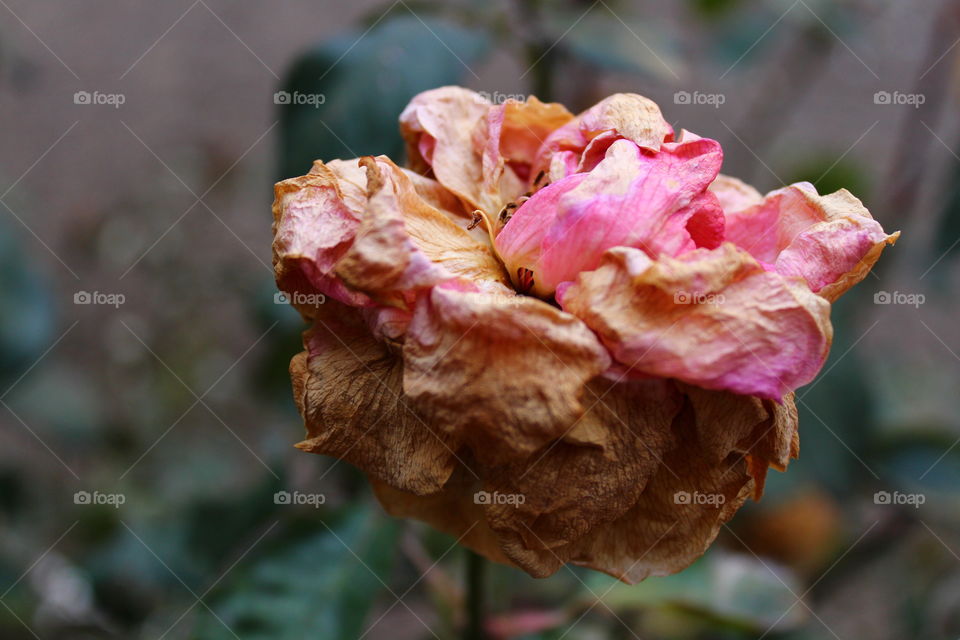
315,219
620,116
633,198
715,318
647,503
349,389
476,362
404,244
831,241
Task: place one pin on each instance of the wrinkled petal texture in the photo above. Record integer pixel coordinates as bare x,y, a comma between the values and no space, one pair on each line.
633,198
830,241
580,144
481,152
560,339
713,318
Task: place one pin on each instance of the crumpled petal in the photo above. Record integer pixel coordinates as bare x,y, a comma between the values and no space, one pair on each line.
479,151
831,241
477,363
444,130
715,319
633,198
372,244
315,219
404,244
348,387
517,131
629,506
620,116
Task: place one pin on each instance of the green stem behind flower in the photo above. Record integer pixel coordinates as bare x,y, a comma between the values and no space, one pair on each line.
476,597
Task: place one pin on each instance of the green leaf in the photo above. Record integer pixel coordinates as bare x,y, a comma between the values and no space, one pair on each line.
361,83
732,589
314,581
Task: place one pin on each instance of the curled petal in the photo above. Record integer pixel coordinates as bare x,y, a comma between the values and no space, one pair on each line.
315,220
404,244
831,241
525,126
475,362
622,115
715,319
479,151
445,131
629,507
734,194
348,388
634,198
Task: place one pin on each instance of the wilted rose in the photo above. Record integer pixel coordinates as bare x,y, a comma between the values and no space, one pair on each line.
575,318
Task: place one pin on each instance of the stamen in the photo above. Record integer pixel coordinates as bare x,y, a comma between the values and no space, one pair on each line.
524,280
478,216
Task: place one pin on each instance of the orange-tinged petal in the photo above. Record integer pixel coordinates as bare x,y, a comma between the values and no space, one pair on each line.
831,241
477,362
348,387
404,244
714,318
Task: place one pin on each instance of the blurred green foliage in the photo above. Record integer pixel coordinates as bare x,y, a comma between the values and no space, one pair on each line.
307,582
366,80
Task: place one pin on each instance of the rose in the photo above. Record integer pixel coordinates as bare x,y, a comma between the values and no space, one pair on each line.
578,310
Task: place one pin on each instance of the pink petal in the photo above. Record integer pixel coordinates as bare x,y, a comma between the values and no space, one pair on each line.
634,197
715,319
830,241
623,115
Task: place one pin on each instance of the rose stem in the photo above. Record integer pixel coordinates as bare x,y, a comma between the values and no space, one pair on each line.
476,569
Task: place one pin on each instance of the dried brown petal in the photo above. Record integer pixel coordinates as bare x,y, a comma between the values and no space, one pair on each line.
348,387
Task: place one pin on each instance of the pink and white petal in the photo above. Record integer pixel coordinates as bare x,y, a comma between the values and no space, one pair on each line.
734,194
445,130
624,115
518,243
831,241
634,198
715,319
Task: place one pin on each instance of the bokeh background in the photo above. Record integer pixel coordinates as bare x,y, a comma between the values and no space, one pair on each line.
146,433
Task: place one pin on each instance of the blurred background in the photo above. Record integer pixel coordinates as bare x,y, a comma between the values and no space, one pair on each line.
148,483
